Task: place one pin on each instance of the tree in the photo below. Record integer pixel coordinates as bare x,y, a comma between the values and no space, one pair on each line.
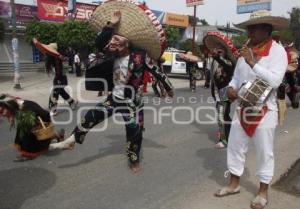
286,36
188,46
77,34
45,32
295,25
203,22
240,40
2,29
172,35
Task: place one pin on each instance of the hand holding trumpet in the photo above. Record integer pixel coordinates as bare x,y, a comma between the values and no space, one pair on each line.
247,53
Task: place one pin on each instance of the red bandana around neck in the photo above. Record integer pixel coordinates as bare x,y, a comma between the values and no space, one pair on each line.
262,49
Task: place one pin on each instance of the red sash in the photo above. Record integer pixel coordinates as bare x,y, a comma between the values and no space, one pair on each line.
249,121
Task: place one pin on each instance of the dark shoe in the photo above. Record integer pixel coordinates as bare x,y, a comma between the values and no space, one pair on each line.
73,105
17,86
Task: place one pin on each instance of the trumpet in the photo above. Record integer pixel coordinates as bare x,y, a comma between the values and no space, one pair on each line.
246,44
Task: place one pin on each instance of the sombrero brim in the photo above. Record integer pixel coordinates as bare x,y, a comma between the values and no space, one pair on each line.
45,49
212,39
278,23
190,57
138,24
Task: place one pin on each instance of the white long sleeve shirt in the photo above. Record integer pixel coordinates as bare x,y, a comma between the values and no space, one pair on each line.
270,68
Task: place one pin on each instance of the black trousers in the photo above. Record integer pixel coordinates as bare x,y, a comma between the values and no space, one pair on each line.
78,69
207,78
224,120
59,90
192,78
156,83
103,111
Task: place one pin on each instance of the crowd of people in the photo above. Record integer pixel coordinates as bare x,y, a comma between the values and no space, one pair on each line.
127,64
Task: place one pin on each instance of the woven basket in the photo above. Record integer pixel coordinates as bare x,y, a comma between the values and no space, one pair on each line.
45,132
138,24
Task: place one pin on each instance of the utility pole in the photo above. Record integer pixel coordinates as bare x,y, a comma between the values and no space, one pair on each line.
194,3
194,31
15,46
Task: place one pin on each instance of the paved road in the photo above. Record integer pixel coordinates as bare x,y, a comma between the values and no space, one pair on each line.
180,167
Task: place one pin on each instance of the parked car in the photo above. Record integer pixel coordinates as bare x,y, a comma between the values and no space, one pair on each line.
175,65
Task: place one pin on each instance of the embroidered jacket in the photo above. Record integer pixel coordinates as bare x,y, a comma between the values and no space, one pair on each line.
139,61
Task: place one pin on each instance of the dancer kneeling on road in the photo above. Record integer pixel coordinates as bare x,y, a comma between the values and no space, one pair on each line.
25,114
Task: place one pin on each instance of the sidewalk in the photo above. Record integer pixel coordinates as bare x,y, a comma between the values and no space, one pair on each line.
36,86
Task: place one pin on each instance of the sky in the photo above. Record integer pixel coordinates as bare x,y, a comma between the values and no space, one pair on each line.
213,11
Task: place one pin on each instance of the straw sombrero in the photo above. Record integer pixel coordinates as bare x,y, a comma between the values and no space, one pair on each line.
50,49
212,39
264,17
189,57
138,24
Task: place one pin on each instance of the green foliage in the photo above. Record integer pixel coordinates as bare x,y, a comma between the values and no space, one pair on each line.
286,36
25,120
204,22
76,34
172,34
2,29
45,32
295,25
188,46
239,41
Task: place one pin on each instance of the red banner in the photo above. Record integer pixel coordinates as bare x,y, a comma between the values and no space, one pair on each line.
25,13
57,10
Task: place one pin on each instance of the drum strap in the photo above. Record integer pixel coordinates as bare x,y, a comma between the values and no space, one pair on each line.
250,120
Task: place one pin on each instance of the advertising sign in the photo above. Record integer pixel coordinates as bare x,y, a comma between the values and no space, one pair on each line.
176,20
57,10
5,10
190,3
25,13
248,6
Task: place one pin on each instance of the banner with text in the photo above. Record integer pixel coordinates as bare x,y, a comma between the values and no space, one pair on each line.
57,10
176,20
248,6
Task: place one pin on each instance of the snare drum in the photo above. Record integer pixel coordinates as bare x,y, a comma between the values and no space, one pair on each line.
254,93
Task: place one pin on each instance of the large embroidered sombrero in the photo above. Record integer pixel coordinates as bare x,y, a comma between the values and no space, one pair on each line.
212,39
138,24
50,49
264,17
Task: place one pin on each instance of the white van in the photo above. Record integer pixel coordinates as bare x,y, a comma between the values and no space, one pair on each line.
175,65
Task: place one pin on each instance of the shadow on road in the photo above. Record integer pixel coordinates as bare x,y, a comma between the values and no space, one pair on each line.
116,147
19,184
215,161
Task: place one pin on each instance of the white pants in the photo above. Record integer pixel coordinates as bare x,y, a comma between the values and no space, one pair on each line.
263,139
